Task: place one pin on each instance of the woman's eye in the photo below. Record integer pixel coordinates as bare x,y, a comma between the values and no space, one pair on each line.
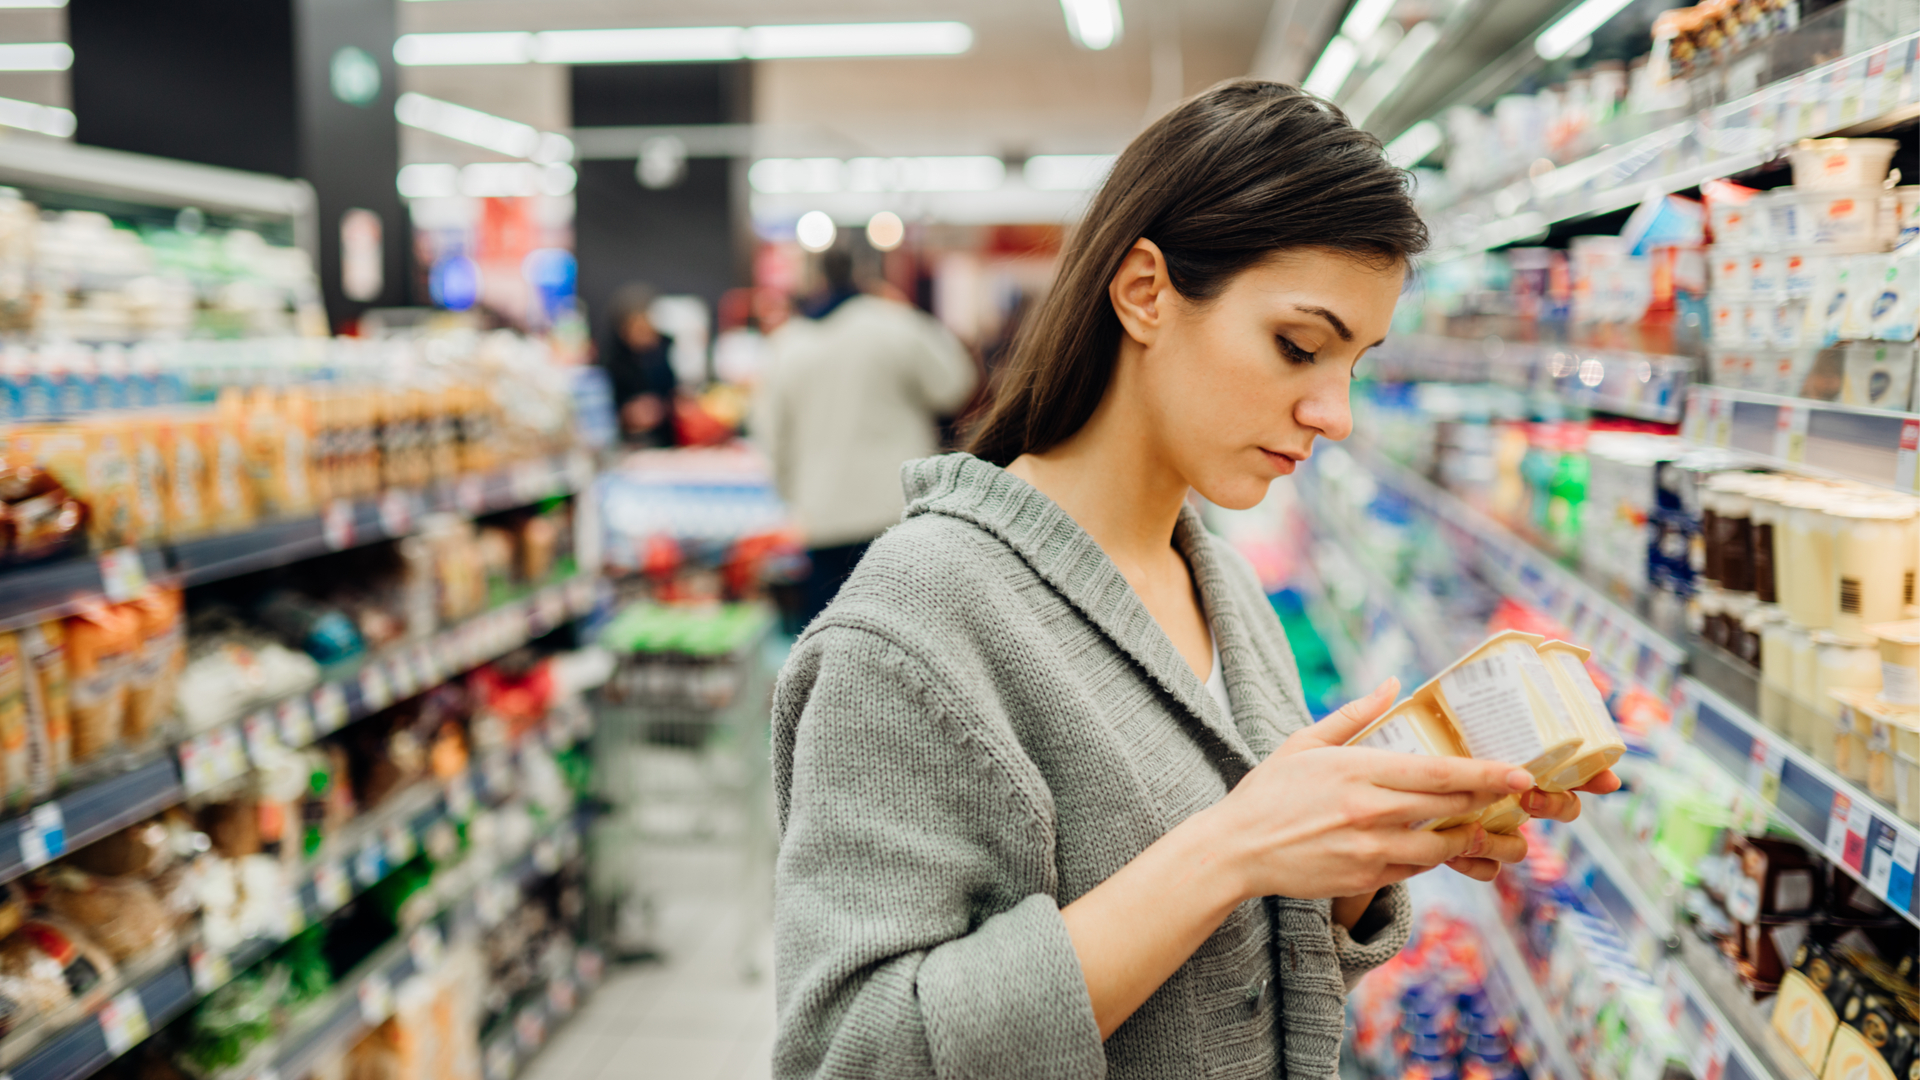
1294,352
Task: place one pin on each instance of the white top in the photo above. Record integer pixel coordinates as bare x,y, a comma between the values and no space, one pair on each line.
1217,684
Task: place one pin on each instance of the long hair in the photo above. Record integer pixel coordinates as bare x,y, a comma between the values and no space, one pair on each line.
1227,179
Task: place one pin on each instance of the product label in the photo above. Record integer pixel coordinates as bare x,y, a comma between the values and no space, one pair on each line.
1583,685
329,707
123,1021
1490,700
1880,860
376,998
330,885
1899,684
295,718
43,835
1906,852
122,575
337,524
211,969
1765,762
1396,735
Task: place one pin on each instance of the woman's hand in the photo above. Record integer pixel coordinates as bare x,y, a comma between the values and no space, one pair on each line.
1556,806
1322,819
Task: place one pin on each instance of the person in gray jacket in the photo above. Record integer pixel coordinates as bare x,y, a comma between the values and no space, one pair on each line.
1050,802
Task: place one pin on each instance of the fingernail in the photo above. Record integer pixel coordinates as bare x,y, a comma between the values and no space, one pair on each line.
1519,779
1479,845
1533,802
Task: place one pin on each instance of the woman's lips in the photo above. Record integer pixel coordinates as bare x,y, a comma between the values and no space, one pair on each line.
1281,463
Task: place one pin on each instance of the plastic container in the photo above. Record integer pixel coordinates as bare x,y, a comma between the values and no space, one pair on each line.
1802,718
1899,644
1840,164
1731,270
1906,771
1873,562
1733,222
1841,663
1787,229
1841,221
1776,673
1906,215
1804,569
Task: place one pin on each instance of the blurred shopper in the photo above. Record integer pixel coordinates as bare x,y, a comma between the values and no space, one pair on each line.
638,359
849,395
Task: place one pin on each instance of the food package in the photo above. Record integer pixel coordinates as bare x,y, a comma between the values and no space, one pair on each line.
49,962
279,452
42,518
1601,744
102,642
160,653
233,503
147,440
16,779
137,850
121,914
1852,1057
1878,374
1804,1018
50,720
184,445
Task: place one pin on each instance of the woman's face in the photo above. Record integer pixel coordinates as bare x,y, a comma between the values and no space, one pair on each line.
1236,389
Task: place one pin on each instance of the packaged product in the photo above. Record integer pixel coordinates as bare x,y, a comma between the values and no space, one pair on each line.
1878,374
278,453
49,706
147,437
184,442
1852,1057
42,519
1601,745
101,645
1895,309
234,503
16,779
121,914
139,850
1803,1017
55,963
154,676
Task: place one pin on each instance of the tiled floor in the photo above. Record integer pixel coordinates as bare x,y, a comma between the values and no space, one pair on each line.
693,1015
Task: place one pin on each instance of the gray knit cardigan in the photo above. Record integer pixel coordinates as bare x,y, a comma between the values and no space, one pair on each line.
986,724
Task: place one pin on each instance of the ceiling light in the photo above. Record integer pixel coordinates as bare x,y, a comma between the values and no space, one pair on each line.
485,130
1365,18
1392,71
858,39
1094,24
1331,70
28,116
1410,146
653,45
815,231
1574,26
422,50
33,3
428,181
885,231
788,176
1066,172
36,56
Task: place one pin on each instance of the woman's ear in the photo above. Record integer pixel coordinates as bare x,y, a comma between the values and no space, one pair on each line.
1140,290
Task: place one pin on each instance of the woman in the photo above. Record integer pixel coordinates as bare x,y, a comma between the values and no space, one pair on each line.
1050,803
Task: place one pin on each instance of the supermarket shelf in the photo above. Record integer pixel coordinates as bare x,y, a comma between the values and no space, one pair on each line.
1647,923
1854,831
1822,438
37,593
1413,614
538,1015
138,178
1548,1043
221,755
1622,644
1853,94
1646,386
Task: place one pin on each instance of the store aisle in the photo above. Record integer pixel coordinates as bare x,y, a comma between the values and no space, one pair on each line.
694,1015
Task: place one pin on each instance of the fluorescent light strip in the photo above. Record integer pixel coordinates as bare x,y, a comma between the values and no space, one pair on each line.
670,44
1067,172
27,116
1575,26
813,176
1094,24
36,56
485,130
1410,146
1365,18
23,4
485,180
1392,72
1330,72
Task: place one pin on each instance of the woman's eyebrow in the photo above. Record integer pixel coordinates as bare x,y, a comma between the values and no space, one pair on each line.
1332,320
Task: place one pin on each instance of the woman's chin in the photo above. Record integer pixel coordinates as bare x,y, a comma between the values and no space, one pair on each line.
1241,493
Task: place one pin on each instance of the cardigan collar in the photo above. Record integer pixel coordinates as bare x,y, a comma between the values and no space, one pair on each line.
1063,554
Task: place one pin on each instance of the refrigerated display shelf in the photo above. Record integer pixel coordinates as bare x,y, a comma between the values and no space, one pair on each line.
1624,645
1434,649
1851,95
1821,438
35,594
1645,386
1545,1041
1832,816
205,762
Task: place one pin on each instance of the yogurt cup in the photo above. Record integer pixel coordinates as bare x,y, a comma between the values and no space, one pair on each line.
1838,164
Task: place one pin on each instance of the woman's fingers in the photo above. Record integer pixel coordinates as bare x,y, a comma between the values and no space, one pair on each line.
1477,869
1390,807
1559,806
1441,775
1604,784
1431,848
1346,721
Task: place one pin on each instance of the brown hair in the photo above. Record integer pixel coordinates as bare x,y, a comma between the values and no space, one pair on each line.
1228,178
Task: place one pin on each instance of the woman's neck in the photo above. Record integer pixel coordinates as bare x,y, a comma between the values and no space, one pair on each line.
1113,480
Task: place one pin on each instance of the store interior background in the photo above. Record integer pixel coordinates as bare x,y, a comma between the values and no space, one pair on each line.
1629,401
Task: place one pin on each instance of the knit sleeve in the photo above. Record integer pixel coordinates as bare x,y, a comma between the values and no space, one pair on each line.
1392,908
915,934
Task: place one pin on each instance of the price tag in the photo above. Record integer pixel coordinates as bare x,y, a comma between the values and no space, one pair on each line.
1837,824
1764,765
1906,853
336,524
211,970
426,666
1859,821
373,687
529,1029
295,719
194,763
1790,433
499,1060
1879,871
330,885
369,864
426,946
122,575
561,996
43,835
400,843
329,708
399,676
231,750
123,1020
376,998
1904,463
263,736
396,513
293,918
588,964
